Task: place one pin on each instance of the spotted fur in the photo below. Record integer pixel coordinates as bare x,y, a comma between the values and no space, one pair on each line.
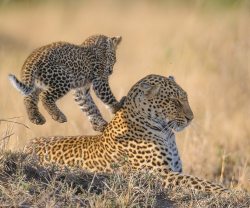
140,136
53,70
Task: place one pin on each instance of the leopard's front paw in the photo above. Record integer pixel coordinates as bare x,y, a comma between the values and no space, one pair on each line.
116,107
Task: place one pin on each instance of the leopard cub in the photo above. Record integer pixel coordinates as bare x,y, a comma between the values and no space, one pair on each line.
53,70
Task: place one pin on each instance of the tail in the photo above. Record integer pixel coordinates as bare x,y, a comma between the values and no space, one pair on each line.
174,179
24,89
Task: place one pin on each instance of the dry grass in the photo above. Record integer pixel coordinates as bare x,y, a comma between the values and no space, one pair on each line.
208,51
24,184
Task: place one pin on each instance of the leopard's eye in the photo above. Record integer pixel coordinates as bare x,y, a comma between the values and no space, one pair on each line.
177,101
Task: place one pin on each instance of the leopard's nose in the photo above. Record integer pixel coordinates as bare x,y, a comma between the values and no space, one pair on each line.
188,112
189,117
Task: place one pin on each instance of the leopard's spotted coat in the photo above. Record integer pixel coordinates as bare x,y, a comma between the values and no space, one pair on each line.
141,134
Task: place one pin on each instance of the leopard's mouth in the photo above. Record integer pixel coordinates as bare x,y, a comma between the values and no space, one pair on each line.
177,125
170,125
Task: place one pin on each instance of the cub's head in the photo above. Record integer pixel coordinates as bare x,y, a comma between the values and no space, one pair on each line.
102,41
106,47
160,99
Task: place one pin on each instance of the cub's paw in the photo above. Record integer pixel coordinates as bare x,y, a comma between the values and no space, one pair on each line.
100,126
61,118
38,120
116,107
122,101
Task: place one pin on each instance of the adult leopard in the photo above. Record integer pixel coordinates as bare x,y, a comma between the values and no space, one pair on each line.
53,70
141,134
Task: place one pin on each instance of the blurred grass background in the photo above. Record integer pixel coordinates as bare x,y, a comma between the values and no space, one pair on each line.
205,44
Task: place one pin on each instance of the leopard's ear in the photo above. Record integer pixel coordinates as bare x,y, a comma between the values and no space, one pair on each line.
116,40
150,90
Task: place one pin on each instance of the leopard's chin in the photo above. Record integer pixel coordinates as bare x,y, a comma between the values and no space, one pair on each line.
181,127
177,128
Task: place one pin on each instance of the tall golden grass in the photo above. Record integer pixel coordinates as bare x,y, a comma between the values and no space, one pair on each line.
207,51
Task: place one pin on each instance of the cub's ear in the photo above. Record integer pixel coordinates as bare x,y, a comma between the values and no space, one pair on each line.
116,40
150,91
171,78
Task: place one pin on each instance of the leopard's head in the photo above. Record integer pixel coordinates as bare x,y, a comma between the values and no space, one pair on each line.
162,100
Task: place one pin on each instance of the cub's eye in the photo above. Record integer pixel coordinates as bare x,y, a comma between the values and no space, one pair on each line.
183,98
179,102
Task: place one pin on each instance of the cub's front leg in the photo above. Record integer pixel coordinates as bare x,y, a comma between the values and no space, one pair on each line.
87,105
102,89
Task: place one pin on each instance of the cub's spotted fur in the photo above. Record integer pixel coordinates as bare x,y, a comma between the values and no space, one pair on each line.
53,70
141,134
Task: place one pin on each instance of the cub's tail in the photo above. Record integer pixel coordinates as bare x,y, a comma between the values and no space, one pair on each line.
21,87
